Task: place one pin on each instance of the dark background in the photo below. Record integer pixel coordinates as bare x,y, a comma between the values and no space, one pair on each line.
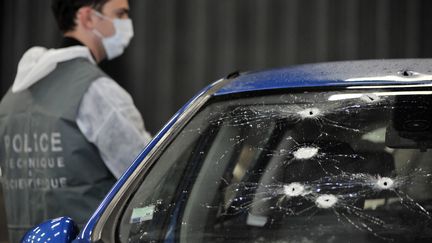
181,46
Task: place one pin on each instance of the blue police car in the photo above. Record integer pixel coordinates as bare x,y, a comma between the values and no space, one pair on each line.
331,152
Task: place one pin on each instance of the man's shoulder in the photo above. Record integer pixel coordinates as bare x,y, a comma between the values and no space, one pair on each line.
82,63
80,69
109,89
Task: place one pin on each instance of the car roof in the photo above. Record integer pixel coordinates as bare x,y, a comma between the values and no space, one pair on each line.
346,73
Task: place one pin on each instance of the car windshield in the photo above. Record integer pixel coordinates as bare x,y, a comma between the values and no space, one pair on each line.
324,166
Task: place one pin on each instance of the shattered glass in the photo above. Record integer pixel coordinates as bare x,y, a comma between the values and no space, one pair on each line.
345,166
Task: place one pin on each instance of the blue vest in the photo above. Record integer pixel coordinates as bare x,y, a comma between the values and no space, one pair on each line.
48,167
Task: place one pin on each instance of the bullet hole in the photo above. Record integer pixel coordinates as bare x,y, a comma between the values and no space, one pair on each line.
384,183
309,113
407,73
369,98
326,201
294,189
305,152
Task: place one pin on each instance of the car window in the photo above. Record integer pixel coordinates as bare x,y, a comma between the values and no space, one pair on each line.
346,166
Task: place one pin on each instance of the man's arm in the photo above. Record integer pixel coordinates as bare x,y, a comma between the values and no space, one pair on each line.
108,118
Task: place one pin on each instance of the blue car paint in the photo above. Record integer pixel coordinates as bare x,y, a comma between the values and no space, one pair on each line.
370,72
311,75
56,230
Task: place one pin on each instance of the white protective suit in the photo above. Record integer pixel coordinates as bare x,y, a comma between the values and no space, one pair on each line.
107,116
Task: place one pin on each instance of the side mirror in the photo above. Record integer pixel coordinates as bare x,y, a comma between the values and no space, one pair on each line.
61,229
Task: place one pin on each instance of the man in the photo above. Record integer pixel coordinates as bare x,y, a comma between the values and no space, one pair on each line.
67,130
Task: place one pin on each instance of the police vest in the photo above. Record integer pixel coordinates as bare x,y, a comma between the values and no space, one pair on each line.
48,168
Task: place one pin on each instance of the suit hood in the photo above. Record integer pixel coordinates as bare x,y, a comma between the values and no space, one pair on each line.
38,62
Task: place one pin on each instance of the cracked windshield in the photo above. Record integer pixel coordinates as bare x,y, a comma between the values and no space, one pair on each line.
345,166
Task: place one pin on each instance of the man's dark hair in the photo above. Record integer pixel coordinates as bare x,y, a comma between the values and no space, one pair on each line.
65,10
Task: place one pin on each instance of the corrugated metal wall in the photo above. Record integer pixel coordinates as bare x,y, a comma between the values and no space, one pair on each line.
181,46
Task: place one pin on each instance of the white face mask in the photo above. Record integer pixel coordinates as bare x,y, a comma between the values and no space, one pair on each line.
116,44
